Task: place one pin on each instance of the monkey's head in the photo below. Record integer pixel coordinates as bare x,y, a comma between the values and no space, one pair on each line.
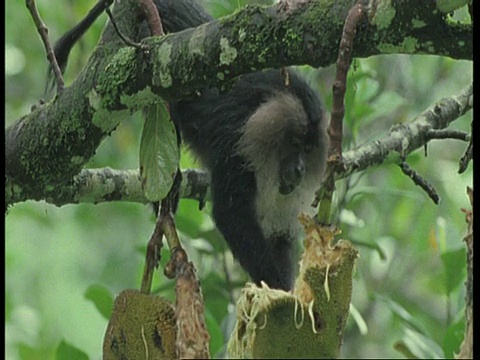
285,141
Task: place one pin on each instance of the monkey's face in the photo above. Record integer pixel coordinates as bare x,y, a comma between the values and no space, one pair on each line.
286,150
282,146
291,172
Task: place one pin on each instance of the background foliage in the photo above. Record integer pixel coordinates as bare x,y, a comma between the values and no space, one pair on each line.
65,265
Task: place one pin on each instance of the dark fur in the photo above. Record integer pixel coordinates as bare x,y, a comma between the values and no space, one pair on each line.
213,126
258,222
264,144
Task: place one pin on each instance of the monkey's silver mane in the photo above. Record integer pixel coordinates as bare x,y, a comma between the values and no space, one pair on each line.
263,138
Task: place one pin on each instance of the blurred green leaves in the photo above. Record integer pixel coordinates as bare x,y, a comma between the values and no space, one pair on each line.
66,351
102,298
415,345
454,269
453,338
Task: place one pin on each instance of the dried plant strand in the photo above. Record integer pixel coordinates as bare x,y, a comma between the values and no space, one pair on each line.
152,256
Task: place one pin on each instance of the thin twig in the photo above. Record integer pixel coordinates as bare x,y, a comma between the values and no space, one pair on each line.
467,155
409,136
43,31
447,134
153,17
152,257
420,181
165,225
335,130
465,159
123,37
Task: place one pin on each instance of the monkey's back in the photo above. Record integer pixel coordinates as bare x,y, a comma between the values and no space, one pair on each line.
211,124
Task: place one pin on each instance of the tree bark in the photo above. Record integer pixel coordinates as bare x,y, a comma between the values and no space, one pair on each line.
45,149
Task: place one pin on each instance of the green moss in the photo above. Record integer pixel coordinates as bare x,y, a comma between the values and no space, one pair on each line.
140,99
117,72
103,118
447,6
108,91
161,73
292,36
12,191
429,46
409,45
384,14
94,99
228,53
109,120
326,3
49,188
292,40
417,24
197,40
77,160
241,35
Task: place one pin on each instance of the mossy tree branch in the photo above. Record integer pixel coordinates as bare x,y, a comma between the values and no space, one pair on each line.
105,185
48,147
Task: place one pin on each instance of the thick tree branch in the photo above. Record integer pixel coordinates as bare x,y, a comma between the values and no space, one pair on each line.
93,186
102,185
48,147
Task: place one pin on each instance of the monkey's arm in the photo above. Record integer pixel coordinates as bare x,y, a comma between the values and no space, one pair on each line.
234,214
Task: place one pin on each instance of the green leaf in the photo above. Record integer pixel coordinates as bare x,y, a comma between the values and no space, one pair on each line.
402,313
67,351
418,346
454,269
27,352
102,298
159,152
216,336
453,338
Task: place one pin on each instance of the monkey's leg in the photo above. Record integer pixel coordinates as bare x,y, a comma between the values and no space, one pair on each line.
64,45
